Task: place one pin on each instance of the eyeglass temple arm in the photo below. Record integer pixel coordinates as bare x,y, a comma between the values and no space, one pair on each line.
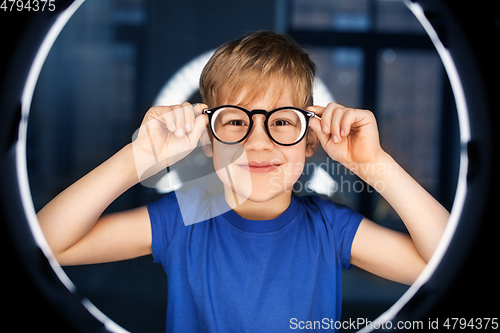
314,115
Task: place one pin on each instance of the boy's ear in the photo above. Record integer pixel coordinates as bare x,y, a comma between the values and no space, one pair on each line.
311,142
206,143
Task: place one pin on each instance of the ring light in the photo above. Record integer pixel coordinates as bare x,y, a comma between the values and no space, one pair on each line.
26,98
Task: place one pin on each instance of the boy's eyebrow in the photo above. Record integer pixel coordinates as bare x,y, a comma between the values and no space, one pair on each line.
274,107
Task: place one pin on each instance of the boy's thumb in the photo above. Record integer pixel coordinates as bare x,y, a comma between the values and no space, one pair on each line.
200,125
199,107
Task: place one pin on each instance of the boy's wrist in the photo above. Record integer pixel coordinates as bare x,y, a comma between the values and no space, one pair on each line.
379,169
125,165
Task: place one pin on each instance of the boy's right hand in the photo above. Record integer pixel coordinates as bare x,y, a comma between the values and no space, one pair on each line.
167,134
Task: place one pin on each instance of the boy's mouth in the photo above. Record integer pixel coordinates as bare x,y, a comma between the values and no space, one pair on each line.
259,167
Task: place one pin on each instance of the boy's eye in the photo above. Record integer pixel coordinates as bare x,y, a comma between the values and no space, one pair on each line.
281,122
236,122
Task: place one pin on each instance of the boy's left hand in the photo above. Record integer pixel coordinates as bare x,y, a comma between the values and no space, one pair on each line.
349,136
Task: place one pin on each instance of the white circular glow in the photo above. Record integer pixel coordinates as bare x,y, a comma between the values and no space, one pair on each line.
179,89
22,169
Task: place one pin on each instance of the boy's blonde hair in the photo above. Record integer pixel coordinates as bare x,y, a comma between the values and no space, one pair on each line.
252,64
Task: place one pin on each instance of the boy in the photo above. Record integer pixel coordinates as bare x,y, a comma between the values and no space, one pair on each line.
264,256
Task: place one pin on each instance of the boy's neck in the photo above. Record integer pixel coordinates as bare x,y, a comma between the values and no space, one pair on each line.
264,210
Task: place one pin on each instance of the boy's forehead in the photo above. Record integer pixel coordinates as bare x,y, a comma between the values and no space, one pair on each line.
273,97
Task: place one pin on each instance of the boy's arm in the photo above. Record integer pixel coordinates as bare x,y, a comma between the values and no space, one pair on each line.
391,254
350,136
72,222
424,217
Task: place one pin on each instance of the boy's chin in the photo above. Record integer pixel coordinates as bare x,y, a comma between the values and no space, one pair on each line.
264,190
258,190
263,195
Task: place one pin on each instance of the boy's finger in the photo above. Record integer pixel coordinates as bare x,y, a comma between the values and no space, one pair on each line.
326,118
198,108
169,119
337,115
346,122
158,118
188,116
200,125
318,110
179,121
315,125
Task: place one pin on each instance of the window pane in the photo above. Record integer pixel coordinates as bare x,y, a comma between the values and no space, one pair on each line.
342,15
341,69
394,17
409,109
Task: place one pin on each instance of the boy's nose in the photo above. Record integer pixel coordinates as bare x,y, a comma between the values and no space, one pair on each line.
258,138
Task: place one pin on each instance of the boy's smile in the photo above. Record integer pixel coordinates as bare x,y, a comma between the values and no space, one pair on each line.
260,167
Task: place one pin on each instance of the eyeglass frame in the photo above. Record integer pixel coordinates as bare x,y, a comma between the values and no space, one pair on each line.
210,112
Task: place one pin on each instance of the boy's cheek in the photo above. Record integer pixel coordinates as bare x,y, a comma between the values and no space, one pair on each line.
225,155
287,175
293,170
236,180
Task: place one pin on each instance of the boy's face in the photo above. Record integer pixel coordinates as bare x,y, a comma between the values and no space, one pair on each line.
260,169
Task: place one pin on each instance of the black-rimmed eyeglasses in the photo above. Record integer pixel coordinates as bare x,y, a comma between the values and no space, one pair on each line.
231,124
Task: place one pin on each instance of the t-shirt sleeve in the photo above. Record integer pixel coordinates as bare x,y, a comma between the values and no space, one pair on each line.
344,223
165,218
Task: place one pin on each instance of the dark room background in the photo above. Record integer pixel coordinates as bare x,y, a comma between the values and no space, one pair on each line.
114,56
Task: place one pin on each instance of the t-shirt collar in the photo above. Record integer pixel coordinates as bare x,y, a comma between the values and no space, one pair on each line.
258,225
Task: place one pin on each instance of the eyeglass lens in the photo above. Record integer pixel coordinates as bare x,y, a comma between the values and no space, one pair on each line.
285,126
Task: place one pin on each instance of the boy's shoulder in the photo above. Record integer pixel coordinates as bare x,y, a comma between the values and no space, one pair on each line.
329,210
320,201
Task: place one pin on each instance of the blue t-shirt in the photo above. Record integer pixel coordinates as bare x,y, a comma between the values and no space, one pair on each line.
230,274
